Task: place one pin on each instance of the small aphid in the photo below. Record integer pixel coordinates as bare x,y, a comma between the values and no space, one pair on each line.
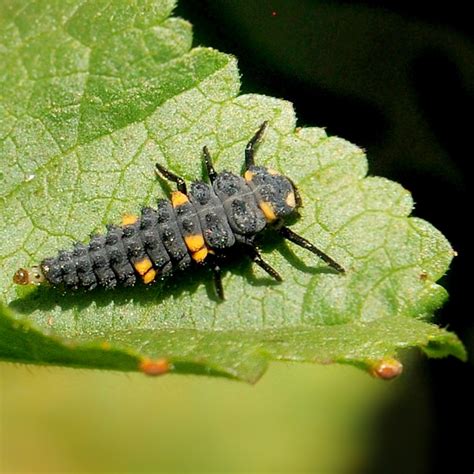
195,227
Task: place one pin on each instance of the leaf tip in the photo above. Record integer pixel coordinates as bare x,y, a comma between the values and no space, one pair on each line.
386,369
154,366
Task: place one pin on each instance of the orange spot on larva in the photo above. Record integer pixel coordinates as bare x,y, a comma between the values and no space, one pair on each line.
154,366
128,219
248,176
178,198
105,345
387,369
200,255
268,211
194,242
149,276
143,265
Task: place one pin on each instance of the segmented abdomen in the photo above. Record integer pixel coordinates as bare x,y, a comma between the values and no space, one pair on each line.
116,258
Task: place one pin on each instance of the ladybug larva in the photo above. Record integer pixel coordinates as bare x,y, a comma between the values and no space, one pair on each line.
195,227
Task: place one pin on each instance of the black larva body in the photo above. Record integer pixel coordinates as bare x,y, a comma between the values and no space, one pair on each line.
197,226
223,214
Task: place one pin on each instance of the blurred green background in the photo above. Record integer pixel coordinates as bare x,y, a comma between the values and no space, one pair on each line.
298,418
395,78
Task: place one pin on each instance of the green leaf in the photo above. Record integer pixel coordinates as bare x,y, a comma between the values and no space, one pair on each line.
92,95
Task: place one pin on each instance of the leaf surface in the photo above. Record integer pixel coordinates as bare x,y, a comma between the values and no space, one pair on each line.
92,95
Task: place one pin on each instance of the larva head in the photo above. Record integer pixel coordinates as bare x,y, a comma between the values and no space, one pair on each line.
276,194
29,276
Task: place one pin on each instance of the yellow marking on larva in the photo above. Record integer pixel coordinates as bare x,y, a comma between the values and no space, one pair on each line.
200,255
273,172
178,198
128,219
248,176
291,200
149,276
194,242
268,211
142,266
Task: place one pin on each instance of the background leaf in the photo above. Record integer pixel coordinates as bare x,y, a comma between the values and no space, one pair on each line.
92,95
